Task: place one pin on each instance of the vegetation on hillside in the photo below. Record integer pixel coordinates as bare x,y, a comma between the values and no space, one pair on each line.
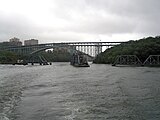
141,48
54,56
7,57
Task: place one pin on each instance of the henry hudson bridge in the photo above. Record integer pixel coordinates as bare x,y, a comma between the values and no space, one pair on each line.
89,48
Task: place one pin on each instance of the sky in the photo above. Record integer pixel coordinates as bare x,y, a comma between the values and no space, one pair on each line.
79,20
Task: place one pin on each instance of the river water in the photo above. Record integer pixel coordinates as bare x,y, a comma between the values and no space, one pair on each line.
63,92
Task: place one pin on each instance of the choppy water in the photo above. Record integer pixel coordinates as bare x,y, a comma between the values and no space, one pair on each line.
64,92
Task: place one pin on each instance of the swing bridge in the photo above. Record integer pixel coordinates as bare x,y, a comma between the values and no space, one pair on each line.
133,60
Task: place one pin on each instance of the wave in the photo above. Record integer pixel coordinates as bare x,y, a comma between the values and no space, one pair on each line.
3,117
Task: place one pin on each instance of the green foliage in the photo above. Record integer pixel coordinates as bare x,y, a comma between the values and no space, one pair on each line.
53,56
7,57
142,48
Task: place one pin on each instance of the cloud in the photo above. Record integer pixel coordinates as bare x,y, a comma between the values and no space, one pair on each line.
79,20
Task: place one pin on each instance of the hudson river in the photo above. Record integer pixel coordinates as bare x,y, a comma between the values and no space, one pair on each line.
63,92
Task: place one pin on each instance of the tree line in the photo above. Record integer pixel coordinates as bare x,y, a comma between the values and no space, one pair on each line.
141,48
8,57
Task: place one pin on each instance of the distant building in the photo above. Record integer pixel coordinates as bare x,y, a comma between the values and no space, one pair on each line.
31,42
15,42
14,39
4,43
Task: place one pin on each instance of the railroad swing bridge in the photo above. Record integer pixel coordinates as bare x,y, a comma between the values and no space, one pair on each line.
152,60
127,60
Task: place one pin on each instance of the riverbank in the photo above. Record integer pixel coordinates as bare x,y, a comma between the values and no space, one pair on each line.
142,48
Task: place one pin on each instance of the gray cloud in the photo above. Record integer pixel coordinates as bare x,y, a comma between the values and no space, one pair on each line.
138,16
15,25
75,20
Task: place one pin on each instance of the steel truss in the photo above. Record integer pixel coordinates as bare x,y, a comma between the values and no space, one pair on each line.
127,60
152,60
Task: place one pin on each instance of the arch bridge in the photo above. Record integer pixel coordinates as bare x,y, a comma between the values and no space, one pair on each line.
90,48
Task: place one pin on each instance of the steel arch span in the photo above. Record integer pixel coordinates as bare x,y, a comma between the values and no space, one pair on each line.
90,48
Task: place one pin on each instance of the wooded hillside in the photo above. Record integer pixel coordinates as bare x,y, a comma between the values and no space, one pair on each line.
142,48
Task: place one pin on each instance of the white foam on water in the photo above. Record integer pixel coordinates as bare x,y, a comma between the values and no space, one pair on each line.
3,117
73,114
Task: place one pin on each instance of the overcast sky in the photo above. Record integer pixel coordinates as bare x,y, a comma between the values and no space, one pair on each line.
79,20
